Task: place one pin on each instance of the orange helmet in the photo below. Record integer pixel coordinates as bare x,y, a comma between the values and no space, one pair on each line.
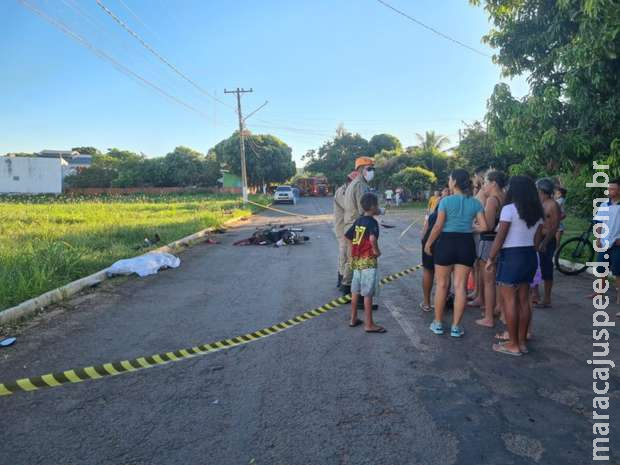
363,161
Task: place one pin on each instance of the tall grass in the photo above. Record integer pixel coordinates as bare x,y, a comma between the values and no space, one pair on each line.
46,242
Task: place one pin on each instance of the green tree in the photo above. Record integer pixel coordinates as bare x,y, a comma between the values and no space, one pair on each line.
480,148
86,150
434,160
184,167
336,157
570,51
94,176
414,179
267,158
388,163
431,141
387,142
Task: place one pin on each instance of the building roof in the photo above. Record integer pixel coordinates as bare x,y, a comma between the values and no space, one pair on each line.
71,156
56,153
12,158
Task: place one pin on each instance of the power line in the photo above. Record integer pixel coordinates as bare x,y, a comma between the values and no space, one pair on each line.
104,56
137,17
293,129
172,81
312,119
439,33
71,4
253,147
159,56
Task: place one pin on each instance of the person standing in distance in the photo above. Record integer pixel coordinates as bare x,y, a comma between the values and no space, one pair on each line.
339,230
365,167
546,250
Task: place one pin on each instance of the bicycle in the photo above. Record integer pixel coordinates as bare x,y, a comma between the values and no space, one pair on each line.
578,250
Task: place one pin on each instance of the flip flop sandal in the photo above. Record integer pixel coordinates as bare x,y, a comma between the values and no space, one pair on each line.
379,330
7,341
425,308
500,348
355,323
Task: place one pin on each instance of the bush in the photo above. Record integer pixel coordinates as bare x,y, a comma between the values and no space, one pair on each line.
414,179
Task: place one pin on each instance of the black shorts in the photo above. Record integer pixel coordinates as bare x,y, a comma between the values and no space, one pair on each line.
454,249
546,261
427,260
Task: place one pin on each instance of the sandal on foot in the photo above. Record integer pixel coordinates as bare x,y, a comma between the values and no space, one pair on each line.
353,324
501,348
378,329
425,308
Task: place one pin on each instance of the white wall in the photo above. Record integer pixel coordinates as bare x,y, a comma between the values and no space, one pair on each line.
26,175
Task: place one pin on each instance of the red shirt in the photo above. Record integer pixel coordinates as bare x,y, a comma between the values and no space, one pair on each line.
362,253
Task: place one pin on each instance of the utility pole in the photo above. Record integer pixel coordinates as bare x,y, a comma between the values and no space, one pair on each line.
244,174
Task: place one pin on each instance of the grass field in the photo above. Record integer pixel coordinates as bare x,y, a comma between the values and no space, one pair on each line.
46,242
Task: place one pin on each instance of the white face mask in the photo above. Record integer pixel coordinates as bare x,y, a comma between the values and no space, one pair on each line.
369,175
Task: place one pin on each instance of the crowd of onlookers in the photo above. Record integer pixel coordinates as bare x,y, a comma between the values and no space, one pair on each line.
498,236
488,234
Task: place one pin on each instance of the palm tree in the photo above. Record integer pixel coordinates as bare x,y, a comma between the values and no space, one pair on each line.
430,140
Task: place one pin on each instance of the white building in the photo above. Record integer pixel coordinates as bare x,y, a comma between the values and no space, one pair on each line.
31,175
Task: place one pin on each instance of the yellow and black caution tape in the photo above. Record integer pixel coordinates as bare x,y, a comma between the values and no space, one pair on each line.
269,207
125,366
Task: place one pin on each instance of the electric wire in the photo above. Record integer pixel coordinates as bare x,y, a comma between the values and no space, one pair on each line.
104,56
78,9
170,81
293,129
435,31
160,57
137,18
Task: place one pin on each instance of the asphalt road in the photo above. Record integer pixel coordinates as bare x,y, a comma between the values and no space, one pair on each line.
320,393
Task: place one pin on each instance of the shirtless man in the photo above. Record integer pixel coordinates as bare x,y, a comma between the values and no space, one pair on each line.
548,245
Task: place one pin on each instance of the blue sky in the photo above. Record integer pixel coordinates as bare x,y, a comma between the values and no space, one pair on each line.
318,63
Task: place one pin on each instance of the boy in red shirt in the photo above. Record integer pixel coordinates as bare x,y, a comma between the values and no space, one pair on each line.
364,236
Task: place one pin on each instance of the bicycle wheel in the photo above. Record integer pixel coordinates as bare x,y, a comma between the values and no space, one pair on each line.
578,252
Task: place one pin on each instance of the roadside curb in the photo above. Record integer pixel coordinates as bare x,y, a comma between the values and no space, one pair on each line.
61,293
572,265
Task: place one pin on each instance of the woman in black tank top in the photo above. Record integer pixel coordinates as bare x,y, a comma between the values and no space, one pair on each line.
494,183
